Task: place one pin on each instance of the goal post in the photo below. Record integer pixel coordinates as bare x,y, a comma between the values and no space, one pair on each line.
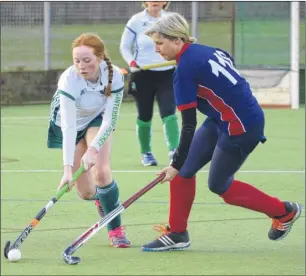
294,54
267,42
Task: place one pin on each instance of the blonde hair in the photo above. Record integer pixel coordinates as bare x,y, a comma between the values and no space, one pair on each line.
94,41
172,26
166,6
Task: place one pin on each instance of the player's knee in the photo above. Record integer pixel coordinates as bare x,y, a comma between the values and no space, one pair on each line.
218,185
167,112
186,174
86,195
213,187
145,114
102,175
145,118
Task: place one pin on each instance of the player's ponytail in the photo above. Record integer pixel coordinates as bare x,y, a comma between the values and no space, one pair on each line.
110,68
192,39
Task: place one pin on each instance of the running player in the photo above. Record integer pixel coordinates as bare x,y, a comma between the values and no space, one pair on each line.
84,112
206,80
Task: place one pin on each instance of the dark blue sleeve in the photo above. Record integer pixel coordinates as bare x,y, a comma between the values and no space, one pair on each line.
185,86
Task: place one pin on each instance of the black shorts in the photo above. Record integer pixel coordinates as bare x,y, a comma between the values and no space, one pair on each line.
146,86
150,82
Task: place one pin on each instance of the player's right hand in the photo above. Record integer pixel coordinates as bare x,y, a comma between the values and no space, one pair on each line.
133,64
134,67
169,172
67,178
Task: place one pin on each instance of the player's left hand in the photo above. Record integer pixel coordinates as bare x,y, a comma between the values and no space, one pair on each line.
170,173
89,159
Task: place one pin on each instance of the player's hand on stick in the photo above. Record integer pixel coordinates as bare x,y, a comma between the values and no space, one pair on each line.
134,67
89,159
169,172
67,178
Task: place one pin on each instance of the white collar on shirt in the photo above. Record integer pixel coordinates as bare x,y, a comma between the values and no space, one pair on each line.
152,18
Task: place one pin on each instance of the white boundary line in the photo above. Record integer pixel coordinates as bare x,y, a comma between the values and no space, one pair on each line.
24,118
148,171
7,118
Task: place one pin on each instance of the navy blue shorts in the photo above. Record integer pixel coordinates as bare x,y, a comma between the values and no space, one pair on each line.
242,144
226,153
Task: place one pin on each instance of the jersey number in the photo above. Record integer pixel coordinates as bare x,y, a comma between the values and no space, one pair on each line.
217,68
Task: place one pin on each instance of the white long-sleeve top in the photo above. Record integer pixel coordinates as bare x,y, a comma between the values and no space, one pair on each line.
137,46
77,102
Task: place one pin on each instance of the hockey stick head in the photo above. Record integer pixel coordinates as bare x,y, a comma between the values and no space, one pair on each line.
69,259
7,249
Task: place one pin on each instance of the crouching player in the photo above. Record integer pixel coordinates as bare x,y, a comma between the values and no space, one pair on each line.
206,79
84,112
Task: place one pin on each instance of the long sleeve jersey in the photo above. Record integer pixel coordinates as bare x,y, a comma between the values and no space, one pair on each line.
206,79
137,46
77,102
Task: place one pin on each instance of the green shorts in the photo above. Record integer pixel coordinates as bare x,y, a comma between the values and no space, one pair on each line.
55,136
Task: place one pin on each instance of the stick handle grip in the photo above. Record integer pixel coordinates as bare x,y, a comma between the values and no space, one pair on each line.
64,189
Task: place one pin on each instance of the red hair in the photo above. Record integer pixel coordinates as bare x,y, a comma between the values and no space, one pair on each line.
94,41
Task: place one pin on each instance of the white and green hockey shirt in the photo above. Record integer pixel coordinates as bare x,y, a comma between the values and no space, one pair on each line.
77,102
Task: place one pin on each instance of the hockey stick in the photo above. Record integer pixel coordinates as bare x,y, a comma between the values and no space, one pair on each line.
21,238
156,65
128,70
67,255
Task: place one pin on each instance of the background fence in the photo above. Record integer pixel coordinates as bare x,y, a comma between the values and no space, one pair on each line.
257,33
36,36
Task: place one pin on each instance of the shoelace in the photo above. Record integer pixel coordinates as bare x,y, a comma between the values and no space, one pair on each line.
117,233
280,226
162,229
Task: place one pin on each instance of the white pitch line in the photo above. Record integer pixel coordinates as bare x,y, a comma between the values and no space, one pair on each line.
148,171
7,118
25,118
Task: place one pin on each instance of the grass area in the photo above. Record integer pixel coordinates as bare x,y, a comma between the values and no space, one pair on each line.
257,42
225,240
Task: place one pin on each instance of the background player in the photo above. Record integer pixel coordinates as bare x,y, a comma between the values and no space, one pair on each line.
84,112
206,79
145,85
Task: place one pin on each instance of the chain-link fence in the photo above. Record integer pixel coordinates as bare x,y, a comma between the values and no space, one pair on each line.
22,29
256,33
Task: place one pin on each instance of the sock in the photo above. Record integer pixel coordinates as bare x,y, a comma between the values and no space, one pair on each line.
109,198
182,193
171,131
244,195
143,130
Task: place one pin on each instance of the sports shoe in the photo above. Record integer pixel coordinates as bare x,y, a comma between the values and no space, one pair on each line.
167,241
118,239
148,159
99,208
281,226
